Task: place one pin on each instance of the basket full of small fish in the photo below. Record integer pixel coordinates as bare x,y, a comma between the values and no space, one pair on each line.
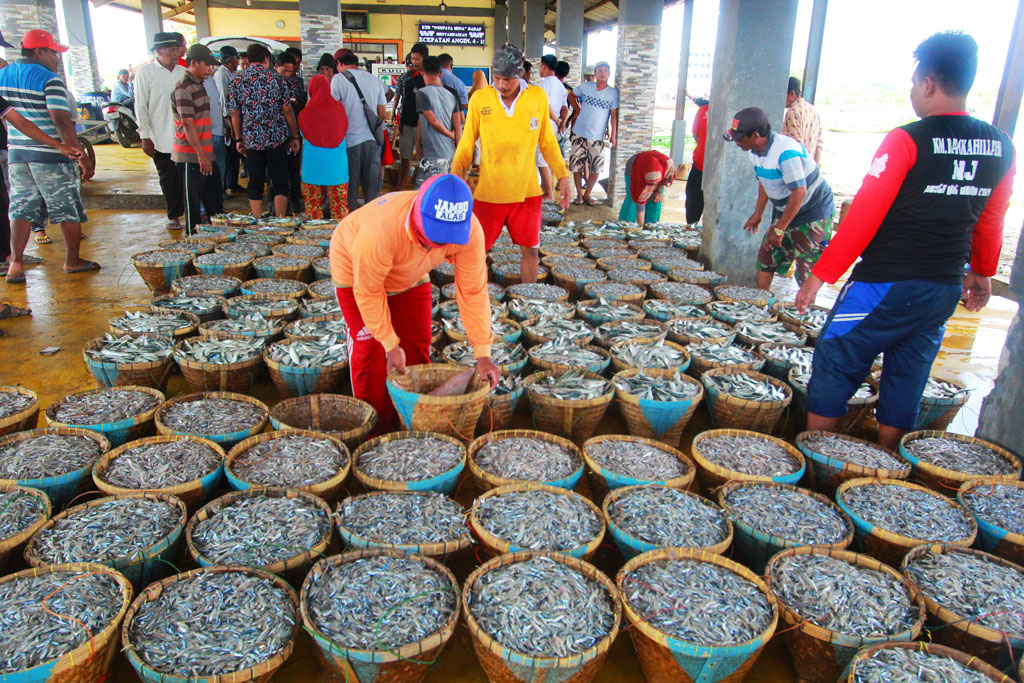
650,516
617,460
940,403
421,522
316,462
705,279
248,248
322,268
23,511
510,357
503,329
646,332
56,460
574,278
835,602
753,333
196,245
943,460
916,661
206,284
523,309
724,455
563,356
269,307
812,321
19,409
734,312
542,329
204,306
136,533
780,358
656,358
664,310
119,414
515,456
323,289
518,517
280,288
143,321
282,267
615,291
680,293
700,329
742,399
410,461
750,295
160,268
220,364
312,366
237,220
312,308
144,361
656,406
306,251
568,403
248,326
857,408
508,274
235,264
220,416
835,458
709,354
319,237
599,311
998,507
225,623
667,598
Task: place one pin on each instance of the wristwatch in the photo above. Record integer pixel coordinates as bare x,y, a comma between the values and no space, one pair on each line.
778,232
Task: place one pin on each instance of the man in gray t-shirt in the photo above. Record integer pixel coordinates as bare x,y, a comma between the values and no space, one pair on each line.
363,151
440,125
595,106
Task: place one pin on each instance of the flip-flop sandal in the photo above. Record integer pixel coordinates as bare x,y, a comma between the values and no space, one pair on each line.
90,265
29,259
11,311
43,239
16,280
173,225
590,202
577,202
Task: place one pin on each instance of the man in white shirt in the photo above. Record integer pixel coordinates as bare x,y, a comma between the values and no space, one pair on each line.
154,84
558,111
363,149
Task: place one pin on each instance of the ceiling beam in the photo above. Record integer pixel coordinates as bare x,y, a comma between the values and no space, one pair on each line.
100,3
180,9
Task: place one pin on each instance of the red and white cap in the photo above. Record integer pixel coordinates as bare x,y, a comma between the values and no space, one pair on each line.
37,37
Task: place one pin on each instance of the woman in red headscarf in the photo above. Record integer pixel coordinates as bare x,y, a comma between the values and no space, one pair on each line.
323,123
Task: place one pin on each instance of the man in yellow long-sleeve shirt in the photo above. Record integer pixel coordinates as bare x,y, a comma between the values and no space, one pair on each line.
510,119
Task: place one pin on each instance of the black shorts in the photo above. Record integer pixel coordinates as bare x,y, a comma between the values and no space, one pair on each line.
263,163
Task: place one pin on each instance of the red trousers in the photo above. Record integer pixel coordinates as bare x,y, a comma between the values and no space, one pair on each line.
367,360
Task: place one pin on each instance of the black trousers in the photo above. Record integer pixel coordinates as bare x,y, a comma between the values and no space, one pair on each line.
199,188
261,163
5,222
231,165
295,179
170,185
694,196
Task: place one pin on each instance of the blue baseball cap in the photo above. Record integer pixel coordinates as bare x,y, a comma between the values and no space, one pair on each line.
444,209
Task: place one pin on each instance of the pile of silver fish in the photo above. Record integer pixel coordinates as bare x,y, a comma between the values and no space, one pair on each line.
219,351
565,353
502,353
561,329
664,265
18,511
244,308
675,597
102,407
185,245
655,253
114,529
31,635
843,597
233,218
960,456
701,329
47,455
261,530
309,353
539,520
409,459
623,330
496,258
499,327
613,290
903,665
812,321
581,274
656,355
664,516
637,460
222,258
1001,505
380,603
793,515
853,452
702,275
508,384
606,311
739,310
450,308
791,356
202,304
541,607
630,275
161,465
290,461
913,513
663,309
536,290
267,239
612,262
323,264
249,325
751,455
323,288
564,250
530,308
768,332
682,292
319,234
160,256
744,386
404,518
315,307
800,380
721,354
305,251
946,391
205,284
571,386
526,459
163,324
213,623
319,328
268,285
128,350
748,294
975,586
212,416
665,388
13,402
246,248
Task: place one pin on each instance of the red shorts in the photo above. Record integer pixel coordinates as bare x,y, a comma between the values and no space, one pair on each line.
522,219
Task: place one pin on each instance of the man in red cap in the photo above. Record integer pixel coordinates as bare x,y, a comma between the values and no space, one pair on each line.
42,179
381,257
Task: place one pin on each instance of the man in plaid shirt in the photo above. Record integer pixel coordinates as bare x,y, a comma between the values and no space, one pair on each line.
802,122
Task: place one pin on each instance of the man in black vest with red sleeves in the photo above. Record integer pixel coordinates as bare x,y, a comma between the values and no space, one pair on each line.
927,223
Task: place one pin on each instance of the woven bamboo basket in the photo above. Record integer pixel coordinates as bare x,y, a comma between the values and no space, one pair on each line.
666,265
787,312
261,673
240,268
329,489
618,365
562,368
141,567
293,380
269,335
187,329
630,546
486,480
277,315
712,475
604,241
594,319
239,378
699,365
438,550
857,408
443,276
968,661
121,431
602,330
441,483
197,245
153,374
774,367
62,488
667,660
498,411
233,220
532,338
217,229
959,631
636,297
298,291
574,284
685,339
559,293
503,664
653,249
196,286
91,660
665,292
718,314
992,538
887,546
267,239
613,262
708,281
225,441
311,237
766,299
452,415
322,268
299,272
215,314
662,421
730,412
323,289
290,334
23,419
292,569
549,249
160,276
344,417
409,664
494,545
820,654
938,413
751,341
307,251
11,546
508,278
603,480
826,474
194,494
947,481
611,252
573,419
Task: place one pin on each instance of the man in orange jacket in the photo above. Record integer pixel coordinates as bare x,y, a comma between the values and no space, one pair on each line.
381,256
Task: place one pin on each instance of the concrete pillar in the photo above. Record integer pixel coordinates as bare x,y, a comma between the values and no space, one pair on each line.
569,37
500,24
18,16
320,31
80,60
515,23
752,57
152,19
534,48
1011,87
201,10
679,124
636,77
814,43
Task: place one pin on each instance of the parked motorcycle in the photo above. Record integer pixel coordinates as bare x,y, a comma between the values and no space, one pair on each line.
120,118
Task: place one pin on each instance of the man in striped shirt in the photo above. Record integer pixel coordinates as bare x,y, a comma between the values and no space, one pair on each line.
192,149
43,179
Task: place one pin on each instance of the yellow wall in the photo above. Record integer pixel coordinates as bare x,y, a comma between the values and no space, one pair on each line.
254,22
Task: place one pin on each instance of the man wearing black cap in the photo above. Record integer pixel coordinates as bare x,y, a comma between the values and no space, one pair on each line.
192,150
222,77
802,204
154,83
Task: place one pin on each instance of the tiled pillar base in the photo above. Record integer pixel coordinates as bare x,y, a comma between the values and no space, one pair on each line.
638,47
320,33
573,55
